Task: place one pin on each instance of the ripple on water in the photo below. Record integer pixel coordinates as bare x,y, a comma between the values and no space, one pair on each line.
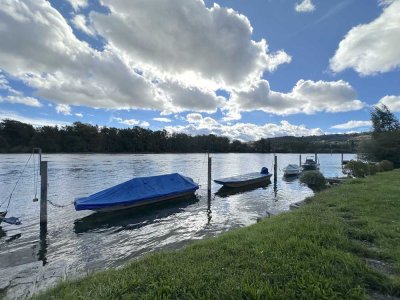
92,241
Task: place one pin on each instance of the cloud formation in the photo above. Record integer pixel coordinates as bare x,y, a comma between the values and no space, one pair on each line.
304,6
131,122
63,109
371,48
241,131
186,40
392,102
7,114
17,99
307,97
352,124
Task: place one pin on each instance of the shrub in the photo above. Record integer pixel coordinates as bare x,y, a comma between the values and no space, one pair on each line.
357,168
373,168
314,179
385,165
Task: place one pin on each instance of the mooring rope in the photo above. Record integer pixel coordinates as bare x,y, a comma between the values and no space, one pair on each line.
60,205
16,183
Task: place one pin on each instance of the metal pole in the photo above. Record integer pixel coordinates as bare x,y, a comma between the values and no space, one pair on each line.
316,157
300,160
342,158
275,167
209,173
43,192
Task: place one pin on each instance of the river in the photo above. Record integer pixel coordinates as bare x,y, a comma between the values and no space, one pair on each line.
90,241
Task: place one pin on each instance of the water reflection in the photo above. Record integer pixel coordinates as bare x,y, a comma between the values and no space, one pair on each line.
90,241
43,243
133,218
224,192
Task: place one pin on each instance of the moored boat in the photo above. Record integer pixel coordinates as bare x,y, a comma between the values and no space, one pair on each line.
245,179
292,170
139,191
310,164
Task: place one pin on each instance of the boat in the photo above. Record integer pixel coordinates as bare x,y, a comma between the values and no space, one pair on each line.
245,179
139,191
292,170
310,164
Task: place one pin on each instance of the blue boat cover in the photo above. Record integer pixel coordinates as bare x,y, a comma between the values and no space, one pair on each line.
138,190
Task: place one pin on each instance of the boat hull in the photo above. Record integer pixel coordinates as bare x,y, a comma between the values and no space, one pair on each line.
243,183
147,202
137,192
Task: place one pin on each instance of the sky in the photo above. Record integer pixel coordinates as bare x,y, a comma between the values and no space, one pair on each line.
238,68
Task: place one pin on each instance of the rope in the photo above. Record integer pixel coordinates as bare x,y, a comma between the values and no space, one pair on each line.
15,186
202,167
35,177
59,205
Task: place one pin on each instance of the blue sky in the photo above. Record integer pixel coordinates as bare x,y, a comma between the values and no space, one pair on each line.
243,69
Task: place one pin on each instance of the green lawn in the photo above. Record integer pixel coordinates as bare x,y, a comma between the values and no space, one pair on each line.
344,244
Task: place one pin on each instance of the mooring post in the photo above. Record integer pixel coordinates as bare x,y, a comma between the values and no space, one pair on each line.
209,174
43,192
300,160
342,158
316,157
275,167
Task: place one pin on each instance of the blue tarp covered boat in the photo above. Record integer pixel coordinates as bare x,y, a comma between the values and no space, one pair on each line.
245,179
139,191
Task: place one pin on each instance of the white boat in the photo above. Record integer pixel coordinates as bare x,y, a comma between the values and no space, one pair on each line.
292,170
245,179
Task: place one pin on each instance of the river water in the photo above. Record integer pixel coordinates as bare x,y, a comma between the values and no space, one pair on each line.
89,241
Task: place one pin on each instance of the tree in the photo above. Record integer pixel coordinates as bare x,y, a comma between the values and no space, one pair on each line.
383,120
385,140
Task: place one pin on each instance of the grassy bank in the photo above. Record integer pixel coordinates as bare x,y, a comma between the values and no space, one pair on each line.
344,244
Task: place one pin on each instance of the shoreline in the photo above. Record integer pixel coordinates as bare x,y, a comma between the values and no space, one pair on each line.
342,244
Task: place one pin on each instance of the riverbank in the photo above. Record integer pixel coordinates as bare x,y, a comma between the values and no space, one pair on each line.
345,243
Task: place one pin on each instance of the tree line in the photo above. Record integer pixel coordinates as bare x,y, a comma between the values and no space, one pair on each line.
18,137
384,143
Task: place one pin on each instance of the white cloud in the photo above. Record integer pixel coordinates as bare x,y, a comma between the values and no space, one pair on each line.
352,124
242,131
78,4
182,98
144,124
304,6
371,48
187,41
163,120
307,97
63,109
12,115
194,117
29,101
80,115
131,122
80,22
64,69
392,102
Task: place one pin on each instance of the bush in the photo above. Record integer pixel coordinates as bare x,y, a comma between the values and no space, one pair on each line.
358,168
373,168
385,165
314,179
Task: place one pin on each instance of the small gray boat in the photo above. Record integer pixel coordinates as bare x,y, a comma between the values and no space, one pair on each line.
245,179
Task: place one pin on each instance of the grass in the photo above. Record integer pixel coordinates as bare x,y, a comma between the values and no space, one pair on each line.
323,250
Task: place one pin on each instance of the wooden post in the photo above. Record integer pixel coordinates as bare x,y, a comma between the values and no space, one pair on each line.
275,167
316,157
342,158
209,173
300,160
43,192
